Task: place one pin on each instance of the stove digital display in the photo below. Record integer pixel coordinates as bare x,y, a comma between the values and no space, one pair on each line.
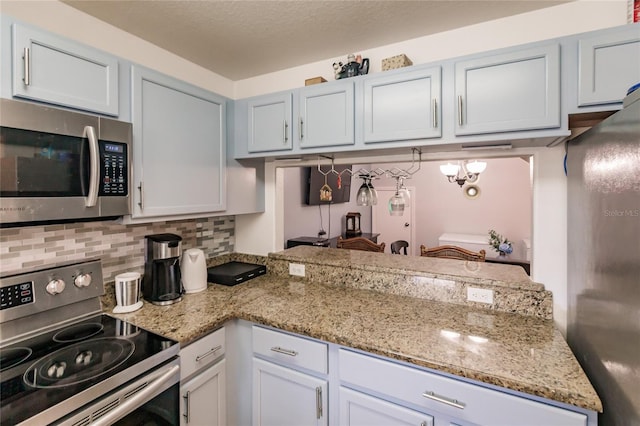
16,295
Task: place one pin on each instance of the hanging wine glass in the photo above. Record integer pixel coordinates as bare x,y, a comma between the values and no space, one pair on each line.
373,194
363,197
404,193
396,202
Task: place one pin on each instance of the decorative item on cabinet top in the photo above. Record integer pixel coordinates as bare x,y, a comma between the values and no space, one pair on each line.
356,65
314,80
398,61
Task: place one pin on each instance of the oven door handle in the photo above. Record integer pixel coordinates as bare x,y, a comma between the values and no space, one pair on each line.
139,398
94,166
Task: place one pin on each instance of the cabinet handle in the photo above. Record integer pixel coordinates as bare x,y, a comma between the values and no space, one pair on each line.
444,399
284,351
286,132
459,110
187,406
208,353
27,66
140,203
435,113
318,402
301,129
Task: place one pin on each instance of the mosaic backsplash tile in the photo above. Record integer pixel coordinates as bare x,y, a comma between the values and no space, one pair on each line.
121,247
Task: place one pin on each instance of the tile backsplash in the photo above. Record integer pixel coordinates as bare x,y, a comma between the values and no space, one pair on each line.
121,247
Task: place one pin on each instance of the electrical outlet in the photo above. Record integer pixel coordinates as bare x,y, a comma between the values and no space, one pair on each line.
296,269
481,295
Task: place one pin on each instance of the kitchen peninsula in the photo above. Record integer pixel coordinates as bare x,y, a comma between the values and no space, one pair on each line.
409,310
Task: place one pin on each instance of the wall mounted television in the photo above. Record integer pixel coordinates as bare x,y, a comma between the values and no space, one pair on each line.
313,180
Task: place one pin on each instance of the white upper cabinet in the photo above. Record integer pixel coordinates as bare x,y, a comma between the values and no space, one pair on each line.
508,92
179,139
56,70
326,114
403,106
607,66
269,123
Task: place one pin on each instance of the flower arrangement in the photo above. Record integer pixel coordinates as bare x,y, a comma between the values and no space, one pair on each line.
499,243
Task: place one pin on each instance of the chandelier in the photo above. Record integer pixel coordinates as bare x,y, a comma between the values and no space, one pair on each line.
464,171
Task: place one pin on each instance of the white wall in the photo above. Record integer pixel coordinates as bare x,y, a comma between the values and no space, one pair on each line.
504,203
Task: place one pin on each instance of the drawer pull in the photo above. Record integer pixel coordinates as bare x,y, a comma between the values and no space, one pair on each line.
444,400
209,353
284,351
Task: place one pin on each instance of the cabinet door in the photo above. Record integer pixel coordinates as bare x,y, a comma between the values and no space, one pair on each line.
56,70
179,139
204,398
608,65
270,123
508,92
403,106
285,397
326,115
358,409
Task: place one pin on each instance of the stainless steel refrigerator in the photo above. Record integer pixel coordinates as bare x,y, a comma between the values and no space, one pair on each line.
603,172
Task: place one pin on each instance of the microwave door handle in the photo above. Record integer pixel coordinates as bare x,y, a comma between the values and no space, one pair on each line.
94,164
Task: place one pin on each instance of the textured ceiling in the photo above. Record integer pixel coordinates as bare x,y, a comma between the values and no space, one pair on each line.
241,39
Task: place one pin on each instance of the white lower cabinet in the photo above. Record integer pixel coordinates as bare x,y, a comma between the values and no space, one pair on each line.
448,400
204,398
290,382
359,409
203,384
285,397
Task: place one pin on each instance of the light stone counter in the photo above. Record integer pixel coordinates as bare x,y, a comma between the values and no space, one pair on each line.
519,352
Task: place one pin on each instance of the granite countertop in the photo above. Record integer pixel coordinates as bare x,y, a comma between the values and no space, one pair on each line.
518,352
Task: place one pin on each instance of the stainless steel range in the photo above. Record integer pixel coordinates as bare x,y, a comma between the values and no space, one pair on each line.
63,362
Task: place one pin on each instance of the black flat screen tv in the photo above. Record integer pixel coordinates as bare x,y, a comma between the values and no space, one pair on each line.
313,180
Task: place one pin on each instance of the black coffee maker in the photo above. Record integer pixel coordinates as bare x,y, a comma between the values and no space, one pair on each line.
161,284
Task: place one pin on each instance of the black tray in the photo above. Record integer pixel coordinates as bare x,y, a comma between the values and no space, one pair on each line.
233,273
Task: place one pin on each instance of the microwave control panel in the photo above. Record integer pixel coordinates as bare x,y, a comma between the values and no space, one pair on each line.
113,169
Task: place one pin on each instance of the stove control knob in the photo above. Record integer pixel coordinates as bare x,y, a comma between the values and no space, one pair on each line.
82,280
55,286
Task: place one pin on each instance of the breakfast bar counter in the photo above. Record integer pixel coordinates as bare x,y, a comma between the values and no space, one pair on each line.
524,353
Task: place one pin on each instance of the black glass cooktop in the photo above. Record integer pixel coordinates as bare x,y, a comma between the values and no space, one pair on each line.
46,370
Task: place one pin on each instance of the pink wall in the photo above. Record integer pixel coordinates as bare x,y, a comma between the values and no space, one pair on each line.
504,204
303,220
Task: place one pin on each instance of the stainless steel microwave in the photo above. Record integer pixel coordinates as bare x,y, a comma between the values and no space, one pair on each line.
59,165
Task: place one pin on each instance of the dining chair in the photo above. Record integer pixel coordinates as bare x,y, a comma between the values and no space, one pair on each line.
360,243
452,252
396,246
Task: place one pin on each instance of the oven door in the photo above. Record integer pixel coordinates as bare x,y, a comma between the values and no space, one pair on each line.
150,399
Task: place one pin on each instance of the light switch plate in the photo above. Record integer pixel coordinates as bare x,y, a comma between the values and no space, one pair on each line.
296,269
